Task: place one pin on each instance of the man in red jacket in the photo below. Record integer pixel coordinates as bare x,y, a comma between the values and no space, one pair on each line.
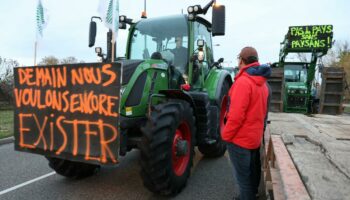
245,121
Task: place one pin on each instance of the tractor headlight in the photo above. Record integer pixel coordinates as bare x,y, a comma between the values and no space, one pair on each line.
191,17
292,91
122,18
200,56
197,8
98,50
190,9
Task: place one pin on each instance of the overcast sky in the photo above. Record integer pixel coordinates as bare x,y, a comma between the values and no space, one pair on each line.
258,23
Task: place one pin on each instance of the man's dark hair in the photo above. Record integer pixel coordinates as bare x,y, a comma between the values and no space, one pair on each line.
249,55
250,60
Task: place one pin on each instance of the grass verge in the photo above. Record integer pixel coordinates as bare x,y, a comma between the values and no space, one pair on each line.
6,123
347,110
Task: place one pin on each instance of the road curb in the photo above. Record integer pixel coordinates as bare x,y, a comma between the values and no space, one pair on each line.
7,140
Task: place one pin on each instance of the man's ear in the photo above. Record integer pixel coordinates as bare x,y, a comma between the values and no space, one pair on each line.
240,62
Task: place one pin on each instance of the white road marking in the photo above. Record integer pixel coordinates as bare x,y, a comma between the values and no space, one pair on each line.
26,183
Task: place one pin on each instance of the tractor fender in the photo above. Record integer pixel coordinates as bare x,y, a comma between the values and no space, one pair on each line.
178,94
224,76
214,82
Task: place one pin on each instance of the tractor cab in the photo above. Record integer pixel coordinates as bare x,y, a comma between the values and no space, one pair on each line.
295,76
184,45
295,72
161,38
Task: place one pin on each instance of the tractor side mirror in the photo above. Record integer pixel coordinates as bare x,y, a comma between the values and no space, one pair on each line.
217,63
218,20
92,33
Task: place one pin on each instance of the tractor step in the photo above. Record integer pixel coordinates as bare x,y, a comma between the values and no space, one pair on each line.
202,109
209,141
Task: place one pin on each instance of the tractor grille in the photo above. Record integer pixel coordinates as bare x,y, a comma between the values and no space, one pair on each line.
296,101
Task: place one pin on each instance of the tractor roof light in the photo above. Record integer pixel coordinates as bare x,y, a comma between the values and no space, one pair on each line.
191,17
197,9
190,9
122,25
216,4
144,15
98,50
122,18
123,21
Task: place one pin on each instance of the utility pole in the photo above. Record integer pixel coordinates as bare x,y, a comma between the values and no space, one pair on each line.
144,13
35,49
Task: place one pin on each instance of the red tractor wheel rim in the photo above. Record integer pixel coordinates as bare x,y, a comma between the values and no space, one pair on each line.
180,162
223,112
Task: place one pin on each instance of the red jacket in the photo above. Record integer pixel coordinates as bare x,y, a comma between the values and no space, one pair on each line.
248,107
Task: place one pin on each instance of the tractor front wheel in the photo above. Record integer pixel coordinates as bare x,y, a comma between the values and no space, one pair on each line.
167,147
219,147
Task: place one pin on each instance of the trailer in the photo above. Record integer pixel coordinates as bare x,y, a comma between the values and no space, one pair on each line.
307,157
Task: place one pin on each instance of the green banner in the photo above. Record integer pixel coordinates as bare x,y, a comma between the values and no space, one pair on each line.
317,37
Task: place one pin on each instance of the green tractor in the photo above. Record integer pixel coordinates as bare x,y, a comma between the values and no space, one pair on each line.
299,76
173,97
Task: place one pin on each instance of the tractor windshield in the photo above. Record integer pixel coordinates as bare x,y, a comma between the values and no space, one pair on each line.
161,38
295,73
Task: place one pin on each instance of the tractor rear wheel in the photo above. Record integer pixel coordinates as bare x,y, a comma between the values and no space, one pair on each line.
167,147
219,147
72,169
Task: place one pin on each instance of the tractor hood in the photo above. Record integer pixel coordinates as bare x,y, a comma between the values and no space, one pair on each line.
129,67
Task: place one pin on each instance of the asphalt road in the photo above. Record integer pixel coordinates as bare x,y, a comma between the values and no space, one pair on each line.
211,179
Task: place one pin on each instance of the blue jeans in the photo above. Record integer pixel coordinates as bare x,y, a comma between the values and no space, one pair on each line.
247,170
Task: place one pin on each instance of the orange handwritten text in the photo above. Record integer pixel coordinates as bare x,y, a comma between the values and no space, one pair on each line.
98,130
40,76
86,102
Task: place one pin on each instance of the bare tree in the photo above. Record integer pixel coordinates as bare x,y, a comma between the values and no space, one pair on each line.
302,57
344,61
49,60
52,60
6,78
339,56
69,60
339,50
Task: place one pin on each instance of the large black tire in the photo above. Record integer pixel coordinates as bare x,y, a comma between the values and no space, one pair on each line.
217,149
71,169
162,171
